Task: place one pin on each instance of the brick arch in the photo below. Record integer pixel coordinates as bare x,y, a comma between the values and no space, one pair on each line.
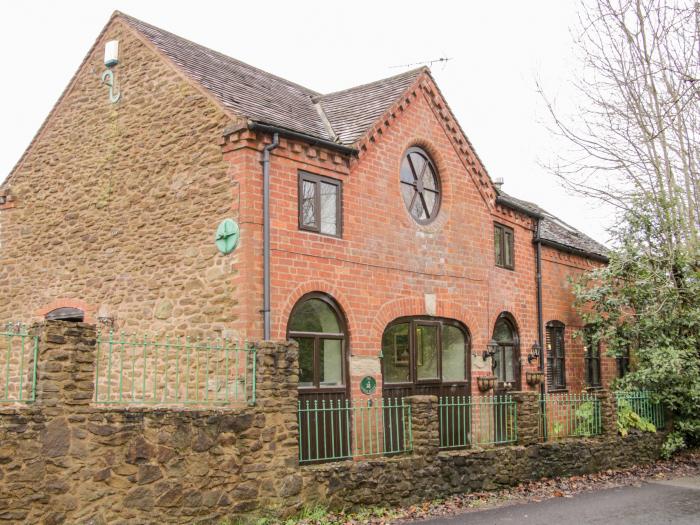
414,306
316,286
87,308
511,311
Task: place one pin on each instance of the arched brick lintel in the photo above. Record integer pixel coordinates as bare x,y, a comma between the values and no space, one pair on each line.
88,309
301,290
415,306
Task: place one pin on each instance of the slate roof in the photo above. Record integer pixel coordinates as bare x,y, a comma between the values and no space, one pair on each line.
342,117
556,231
353,111
269,99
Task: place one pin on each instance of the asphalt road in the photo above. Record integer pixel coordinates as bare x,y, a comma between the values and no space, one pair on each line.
674,502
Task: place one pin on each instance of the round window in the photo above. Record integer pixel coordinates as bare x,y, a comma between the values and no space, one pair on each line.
420,185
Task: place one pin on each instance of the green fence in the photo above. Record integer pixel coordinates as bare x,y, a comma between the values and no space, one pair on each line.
569,415
18,355
134,370
640,402
334,430
481,420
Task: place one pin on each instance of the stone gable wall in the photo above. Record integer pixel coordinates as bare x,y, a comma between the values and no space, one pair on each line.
114,207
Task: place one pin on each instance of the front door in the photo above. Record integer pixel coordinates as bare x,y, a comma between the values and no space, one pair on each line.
316,324
427,356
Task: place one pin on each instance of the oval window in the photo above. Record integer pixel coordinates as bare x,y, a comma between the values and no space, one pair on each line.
420,185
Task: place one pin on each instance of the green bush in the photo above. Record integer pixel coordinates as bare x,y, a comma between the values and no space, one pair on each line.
645,303
627,419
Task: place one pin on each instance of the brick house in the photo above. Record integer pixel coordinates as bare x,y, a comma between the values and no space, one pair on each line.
392,253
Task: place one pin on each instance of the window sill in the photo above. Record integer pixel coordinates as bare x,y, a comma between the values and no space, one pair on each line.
326,235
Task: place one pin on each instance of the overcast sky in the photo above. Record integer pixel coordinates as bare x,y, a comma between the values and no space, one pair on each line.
497,50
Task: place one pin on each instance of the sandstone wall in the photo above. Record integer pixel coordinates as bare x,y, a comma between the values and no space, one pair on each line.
410,479
430,473
114,207
64,459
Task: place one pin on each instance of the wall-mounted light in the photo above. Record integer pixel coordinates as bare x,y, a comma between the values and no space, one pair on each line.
491,349
534,353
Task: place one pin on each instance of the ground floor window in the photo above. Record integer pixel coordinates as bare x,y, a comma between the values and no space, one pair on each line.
556,360
591,359
416,350
506,359
623,363
317,326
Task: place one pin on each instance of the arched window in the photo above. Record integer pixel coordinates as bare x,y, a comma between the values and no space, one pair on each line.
420,185
424,355
506,361
316,323
556,356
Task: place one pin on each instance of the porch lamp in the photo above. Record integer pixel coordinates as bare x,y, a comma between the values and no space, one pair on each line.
534,353
491,348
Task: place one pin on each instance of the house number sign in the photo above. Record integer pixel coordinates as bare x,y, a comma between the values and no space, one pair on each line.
227,235
368,385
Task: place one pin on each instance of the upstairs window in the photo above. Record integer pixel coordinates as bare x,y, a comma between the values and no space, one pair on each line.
320,204
556,362
503,246
420,186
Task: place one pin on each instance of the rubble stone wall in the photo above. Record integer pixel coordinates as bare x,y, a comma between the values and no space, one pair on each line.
65,459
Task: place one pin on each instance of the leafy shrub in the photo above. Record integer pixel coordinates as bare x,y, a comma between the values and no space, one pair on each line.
627,418
674,443
645,302
585,419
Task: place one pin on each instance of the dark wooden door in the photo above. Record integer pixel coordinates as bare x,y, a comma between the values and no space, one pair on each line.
325,415
507,371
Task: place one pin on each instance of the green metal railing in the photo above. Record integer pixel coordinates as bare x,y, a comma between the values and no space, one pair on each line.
335,430
641,402
18,355
481,420
173,371
569,415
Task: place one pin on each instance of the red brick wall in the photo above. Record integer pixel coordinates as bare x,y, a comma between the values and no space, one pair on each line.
558,268
385,263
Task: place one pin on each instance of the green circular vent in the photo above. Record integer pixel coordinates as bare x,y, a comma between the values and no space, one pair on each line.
227,235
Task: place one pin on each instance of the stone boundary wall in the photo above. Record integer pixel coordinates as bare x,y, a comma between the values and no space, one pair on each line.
408,479
64,459
430,472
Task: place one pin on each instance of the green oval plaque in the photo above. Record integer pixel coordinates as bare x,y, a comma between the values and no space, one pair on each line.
368,385
227,235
